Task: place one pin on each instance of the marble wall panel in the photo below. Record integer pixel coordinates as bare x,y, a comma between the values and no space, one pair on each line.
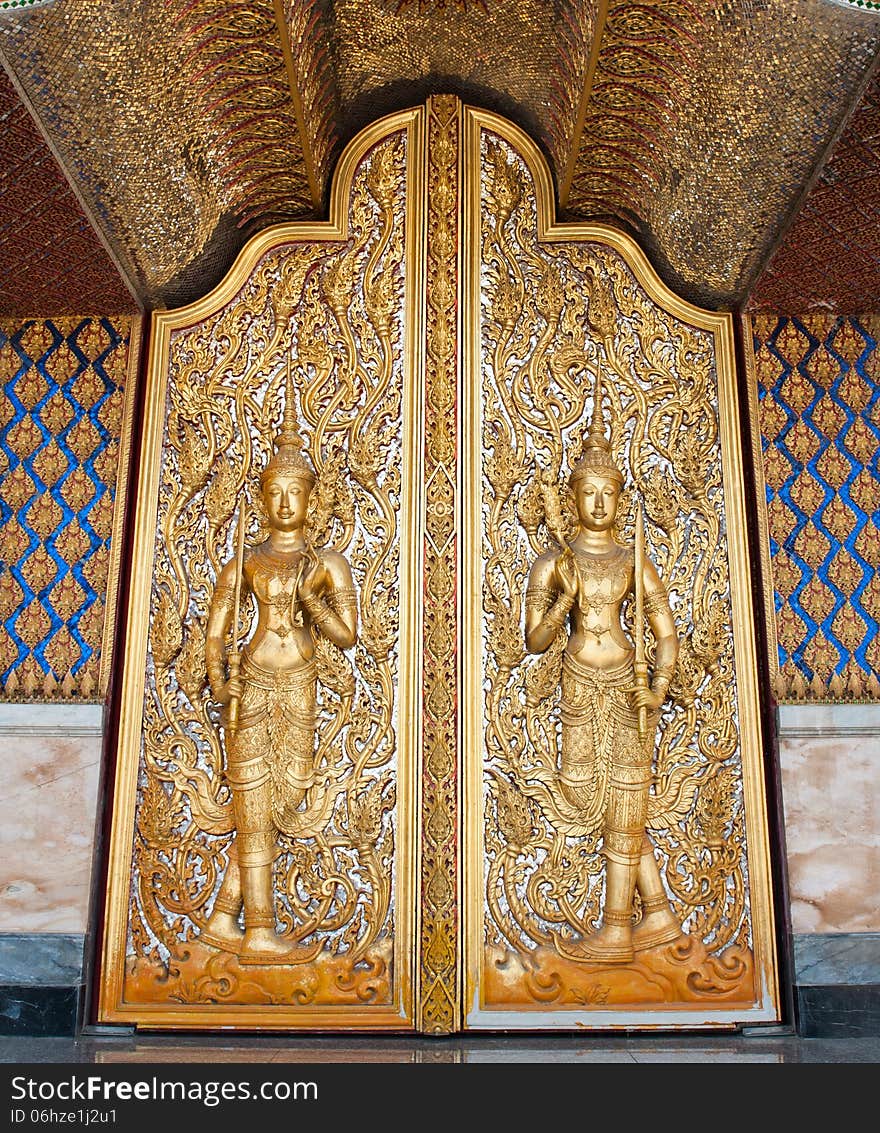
48,801
830,757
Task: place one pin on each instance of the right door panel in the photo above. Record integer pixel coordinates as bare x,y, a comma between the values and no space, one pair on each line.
616,860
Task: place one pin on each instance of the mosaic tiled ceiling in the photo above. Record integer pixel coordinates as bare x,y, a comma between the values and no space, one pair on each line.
186,126
50,256
830,257
705,121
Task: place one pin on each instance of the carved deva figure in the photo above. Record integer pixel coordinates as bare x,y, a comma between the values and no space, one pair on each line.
609,712
270,691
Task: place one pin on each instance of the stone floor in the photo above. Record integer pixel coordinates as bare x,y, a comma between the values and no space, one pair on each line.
781,1048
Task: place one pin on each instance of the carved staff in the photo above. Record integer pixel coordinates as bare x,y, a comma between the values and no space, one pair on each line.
640,663
235,654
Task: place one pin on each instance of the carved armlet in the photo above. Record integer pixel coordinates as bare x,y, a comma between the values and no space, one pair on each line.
318,610
657,602
224,597
540,598
342,599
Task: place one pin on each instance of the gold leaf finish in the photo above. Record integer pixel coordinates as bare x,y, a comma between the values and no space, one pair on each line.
327,308
695,125
197,133
699,125
439,1005
441,857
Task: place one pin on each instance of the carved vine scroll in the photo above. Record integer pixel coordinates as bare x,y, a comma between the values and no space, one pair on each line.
332,313
443,351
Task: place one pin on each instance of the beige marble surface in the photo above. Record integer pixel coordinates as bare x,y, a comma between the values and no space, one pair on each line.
831,797
48,799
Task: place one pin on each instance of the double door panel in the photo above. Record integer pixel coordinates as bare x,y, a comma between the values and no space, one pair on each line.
439,343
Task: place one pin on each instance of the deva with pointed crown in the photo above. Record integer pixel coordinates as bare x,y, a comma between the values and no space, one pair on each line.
609,711
270,690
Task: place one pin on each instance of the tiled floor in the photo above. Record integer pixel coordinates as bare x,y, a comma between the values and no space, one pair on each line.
470,1050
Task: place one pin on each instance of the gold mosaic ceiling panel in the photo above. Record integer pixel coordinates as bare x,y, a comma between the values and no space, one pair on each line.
185,126
50,257
830,257
527,59
704,122
175,123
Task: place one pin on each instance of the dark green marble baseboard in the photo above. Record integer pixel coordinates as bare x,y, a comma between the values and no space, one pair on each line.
837,984
39,1011
41,959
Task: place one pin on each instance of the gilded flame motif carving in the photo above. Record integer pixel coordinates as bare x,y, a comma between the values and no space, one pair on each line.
614,825
293,824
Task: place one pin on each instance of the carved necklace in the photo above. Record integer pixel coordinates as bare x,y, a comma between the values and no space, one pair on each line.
595,572
283,603
284,563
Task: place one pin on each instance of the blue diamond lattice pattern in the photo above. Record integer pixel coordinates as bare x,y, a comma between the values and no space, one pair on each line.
59,441
819,402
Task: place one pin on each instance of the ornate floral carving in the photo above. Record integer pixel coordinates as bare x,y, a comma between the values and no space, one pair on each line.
440,850
543,866
336,309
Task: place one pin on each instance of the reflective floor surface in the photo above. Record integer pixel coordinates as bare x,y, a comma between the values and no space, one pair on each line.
584,1049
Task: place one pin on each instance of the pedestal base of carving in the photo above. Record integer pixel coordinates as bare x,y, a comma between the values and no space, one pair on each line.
670,975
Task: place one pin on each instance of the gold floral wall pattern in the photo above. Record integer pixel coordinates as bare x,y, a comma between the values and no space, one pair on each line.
816,381
62,446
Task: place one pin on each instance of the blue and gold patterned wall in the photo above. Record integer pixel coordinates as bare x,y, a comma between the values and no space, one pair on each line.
61,419
818,382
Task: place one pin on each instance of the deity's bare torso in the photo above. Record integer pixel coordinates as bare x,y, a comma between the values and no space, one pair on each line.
602,579
597,639
282,640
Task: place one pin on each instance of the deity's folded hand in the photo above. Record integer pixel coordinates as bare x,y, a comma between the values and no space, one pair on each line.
228,690
566,574
314,581
641,697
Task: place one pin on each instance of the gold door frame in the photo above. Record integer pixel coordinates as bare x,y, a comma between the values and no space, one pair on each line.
439,902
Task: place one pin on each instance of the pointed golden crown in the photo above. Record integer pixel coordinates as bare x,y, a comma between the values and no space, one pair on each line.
596,457
288,456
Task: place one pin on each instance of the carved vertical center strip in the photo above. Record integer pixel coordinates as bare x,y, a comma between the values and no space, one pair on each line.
439,999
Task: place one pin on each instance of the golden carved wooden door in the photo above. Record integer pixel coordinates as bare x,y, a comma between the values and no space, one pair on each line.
437,343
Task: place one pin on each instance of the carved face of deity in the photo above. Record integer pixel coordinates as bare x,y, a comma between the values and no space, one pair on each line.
286,497
597,497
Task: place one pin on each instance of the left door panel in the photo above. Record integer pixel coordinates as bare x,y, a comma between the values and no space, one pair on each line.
264,839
